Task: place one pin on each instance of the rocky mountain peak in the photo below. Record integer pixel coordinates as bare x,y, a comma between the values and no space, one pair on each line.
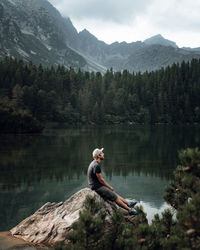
33,30
160,40
85,31
86,35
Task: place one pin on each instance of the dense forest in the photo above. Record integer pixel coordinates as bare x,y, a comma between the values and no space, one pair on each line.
31,96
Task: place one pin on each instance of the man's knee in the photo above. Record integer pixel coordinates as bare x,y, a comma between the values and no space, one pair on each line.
117,199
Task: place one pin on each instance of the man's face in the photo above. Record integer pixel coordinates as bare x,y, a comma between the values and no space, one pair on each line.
101,155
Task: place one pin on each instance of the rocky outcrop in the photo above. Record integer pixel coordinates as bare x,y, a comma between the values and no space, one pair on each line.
51,223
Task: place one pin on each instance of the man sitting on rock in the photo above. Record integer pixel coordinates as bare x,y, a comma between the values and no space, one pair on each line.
97,183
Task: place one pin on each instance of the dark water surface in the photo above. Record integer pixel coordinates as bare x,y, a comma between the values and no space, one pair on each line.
139,162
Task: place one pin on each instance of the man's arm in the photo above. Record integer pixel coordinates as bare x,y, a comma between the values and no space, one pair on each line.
101,179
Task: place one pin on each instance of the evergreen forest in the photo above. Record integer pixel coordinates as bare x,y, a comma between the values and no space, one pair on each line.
31,96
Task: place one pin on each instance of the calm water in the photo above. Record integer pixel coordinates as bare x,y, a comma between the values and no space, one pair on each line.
139,162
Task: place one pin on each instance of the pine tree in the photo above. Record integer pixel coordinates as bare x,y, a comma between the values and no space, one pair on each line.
168,95
186,178
88,231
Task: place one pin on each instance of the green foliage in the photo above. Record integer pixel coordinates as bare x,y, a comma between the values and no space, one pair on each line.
88,231
186,182
16,120
169,95
190,158
114,238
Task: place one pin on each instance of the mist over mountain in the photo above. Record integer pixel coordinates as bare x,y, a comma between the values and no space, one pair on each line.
34,30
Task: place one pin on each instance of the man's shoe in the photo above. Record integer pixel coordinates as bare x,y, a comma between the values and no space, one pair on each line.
132,212
132,203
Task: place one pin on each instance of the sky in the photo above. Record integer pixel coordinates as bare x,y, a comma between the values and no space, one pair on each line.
135,20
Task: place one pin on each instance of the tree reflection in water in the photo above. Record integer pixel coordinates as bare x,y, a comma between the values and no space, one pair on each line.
139,162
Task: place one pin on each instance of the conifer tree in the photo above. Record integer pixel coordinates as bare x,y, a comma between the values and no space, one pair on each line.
168,95
87,232
186,178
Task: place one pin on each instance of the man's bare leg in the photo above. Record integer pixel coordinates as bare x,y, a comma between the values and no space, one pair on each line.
122,204
123,200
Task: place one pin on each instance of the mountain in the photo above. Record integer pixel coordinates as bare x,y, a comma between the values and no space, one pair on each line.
160,40
152,54
191,49
33,30
155,56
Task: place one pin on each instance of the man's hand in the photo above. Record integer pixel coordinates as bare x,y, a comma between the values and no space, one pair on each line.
100,178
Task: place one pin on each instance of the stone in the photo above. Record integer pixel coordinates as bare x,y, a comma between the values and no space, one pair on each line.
50,224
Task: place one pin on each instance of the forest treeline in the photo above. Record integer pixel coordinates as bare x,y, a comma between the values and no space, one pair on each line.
30,93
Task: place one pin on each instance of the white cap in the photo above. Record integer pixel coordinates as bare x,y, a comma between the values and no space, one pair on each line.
97,152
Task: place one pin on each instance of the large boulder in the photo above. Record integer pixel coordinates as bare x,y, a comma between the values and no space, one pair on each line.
51,223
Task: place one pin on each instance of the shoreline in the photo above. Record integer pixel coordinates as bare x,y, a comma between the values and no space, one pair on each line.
7,241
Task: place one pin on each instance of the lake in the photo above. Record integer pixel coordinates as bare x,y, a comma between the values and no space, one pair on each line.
139,163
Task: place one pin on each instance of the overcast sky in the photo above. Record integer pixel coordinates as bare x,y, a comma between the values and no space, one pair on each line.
135,20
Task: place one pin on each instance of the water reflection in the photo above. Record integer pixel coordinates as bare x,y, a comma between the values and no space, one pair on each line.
152,210
50,167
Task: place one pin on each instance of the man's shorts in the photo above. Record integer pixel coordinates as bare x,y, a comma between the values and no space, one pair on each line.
106,193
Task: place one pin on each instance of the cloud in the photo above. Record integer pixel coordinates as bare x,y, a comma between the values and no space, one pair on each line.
120,11
175,15
132,20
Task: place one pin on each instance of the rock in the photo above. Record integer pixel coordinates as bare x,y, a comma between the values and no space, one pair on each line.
51,223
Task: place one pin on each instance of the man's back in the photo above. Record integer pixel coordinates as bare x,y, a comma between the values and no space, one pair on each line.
93,169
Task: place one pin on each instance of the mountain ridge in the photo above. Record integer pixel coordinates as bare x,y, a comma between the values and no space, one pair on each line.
160,40
34,30
28,37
